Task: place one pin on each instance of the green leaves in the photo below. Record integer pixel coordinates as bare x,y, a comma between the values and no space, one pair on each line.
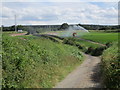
36,62
111,67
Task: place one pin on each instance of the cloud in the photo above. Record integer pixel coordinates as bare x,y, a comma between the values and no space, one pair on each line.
57,13
61,1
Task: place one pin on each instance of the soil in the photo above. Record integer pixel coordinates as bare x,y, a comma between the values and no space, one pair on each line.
18,34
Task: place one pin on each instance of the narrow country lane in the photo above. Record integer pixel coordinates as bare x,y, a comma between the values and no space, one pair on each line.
87,75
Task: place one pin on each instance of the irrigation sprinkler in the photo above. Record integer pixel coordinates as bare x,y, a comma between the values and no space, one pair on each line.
74,34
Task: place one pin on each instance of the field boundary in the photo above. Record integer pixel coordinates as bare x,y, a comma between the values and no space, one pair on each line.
61,38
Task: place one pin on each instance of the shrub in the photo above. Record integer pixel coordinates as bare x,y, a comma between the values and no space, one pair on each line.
95,51
34,62
111,67
98,51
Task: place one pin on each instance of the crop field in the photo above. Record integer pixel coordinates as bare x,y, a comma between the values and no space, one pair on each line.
95,41
87,44
101,37
84,44
67,33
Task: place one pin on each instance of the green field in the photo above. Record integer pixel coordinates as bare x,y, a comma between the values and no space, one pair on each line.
97,40
87,44
101,37
77,40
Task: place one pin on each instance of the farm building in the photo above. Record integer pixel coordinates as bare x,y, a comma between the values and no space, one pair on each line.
20,30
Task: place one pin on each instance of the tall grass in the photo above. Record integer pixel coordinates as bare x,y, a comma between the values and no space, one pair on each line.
111,67
32,62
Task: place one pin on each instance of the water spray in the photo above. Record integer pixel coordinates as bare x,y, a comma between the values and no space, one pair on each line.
72,31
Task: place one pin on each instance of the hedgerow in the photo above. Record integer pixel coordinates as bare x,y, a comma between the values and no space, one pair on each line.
111,67
32,62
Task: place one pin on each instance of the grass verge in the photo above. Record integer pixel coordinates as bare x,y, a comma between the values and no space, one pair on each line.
34,62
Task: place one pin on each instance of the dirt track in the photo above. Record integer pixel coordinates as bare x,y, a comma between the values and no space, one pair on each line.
87,75
18,34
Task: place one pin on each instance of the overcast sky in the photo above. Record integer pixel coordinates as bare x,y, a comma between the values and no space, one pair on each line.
50,12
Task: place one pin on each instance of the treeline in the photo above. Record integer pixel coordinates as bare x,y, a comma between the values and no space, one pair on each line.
100,27
37,28
64,26
12,28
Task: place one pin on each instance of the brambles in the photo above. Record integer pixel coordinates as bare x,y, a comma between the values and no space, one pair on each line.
111,67
36,62
96,51
69,41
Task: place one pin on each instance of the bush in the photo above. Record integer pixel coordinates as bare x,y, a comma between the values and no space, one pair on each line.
98,51
111,67
95,51
64,26
69,42
33,62
90,49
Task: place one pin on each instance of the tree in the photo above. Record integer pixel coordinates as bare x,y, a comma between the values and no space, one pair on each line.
12,28
19,27
64,26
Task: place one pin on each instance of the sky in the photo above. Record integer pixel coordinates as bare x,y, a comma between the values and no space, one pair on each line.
53,12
